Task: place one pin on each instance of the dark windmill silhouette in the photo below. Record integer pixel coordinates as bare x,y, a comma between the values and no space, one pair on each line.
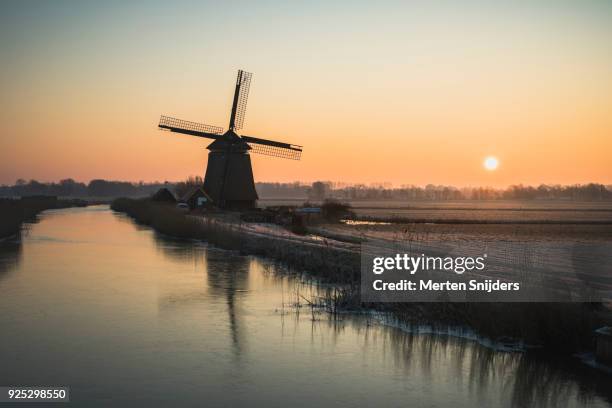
229,174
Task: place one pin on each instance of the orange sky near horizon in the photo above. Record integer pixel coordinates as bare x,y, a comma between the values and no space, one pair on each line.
387,92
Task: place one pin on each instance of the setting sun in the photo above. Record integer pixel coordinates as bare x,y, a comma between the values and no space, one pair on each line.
491,163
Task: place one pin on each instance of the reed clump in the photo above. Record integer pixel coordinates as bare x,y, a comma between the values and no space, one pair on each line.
553,327
164,218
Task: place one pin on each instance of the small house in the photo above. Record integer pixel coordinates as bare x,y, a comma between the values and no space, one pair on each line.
163,195
197,198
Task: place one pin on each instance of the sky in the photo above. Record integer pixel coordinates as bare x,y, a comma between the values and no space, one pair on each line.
398,92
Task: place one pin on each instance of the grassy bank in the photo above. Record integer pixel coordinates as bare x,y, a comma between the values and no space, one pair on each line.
331,264
14,212
555,326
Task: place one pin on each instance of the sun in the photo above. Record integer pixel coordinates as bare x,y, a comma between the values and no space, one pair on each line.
490,163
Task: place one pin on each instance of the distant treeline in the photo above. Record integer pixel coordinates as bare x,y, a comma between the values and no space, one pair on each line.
318,190
71,188
583,192
321,190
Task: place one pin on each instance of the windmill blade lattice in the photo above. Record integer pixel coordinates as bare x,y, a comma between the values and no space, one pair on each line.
174,124
273,148
292,154
243,96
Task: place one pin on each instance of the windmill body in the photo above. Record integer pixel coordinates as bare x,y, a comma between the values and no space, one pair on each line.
229,175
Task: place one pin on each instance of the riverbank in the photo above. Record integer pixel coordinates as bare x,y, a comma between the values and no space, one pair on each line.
331,263
14,212
565,328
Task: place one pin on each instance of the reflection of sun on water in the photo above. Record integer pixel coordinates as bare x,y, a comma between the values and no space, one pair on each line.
491,163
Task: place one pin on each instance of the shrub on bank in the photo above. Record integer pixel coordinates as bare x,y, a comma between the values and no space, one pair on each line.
333,210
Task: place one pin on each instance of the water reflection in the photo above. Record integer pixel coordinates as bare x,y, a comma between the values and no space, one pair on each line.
178,249
228,276
10,256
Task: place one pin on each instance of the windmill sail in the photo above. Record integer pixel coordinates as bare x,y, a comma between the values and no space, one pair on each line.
241,96
190,128
273,148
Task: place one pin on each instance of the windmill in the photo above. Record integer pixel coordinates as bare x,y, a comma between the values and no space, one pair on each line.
229,174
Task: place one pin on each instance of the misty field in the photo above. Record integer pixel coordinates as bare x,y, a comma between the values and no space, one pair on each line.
471,232
474,211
